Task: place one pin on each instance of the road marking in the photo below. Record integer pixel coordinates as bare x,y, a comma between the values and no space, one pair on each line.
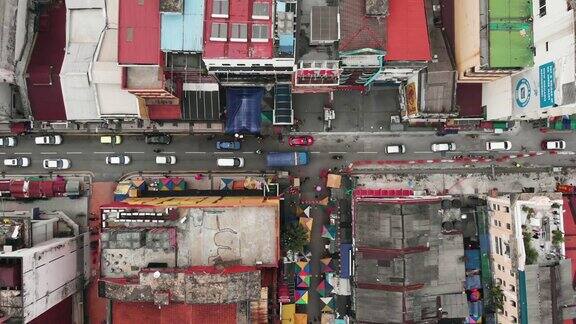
48,152
134,152
337,152
103,152
248,152
27,153
169,152
367,152
73,152
2,153
195,152
315,152
223,152
422,152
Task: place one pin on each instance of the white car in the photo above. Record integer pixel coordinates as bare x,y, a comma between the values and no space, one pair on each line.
48,140
498,145
553,145
17,162
233,162
165,159
56,164
443,147
8,141
118,159
395,149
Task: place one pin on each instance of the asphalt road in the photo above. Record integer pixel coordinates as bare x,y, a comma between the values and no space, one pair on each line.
198,153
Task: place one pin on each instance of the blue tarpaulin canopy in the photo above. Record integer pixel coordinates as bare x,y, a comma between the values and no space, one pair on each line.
243,112
472,259
345,260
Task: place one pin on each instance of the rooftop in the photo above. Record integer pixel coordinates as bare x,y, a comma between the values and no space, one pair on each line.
357,30
233,30
407,31
139,32
183,31
404,262
129,313
510,33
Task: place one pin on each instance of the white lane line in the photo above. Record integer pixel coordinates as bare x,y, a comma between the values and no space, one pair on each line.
169,152
337,152
48,152
367,152
423,152
103,152
2,153
195,152
73,152
134,152
315,152
223,152
248,152
23,153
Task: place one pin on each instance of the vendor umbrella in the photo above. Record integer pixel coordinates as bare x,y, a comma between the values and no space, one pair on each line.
326,265
328,304
324,288
303,281
307,223
329,232
301,297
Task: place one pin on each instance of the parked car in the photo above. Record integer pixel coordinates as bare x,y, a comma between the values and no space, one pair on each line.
117,159
227,145
395,149
443,147
232,162
111,139
159,138
48,140
498,145
56,164
553,144
165,159
17,162
8,141
303,140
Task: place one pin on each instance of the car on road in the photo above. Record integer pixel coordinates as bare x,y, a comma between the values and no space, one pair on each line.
228,145
303,140
443,147
232,162
498,145
159,138
111,139
56,164
17,162
8,141
395,149
118,159
553,145
165,159
48,140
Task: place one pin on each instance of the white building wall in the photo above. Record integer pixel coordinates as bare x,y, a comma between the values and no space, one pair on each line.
497,97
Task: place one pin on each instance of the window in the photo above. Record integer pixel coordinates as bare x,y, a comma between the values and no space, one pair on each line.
498,266
542,8
499,223
506,313
513,303
508,226
514,319
495,223
220,8
512,287
496,245
546,46
239,33
498,207
219,32
512,274
260,33
507,209
493,206
260,10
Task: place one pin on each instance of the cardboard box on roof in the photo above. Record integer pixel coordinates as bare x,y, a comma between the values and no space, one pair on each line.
334,181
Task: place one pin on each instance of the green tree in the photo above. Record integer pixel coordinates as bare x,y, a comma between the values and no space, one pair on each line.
294,237
557,237
531,253
497,296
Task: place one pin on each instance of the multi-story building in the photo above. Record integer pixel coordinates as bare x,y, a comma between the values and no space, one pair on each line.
545,87
197,259
527,255
43,262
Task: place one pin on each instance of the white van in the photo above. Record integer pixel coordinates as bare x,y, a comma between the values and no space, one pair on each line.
498,146
111,139
395,149
233,162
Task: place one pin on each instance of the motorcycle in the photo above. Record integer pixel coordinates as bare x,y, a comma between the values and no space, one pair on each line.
337,157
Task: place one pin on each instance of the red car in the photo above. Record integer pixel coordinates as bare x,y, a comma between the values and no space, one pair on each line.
305,140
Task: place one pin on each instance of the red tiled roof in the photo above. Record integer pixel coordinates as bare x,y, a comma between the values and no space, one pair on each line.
43,79
359,31
129,313
139,32
240,11
407,31
164,112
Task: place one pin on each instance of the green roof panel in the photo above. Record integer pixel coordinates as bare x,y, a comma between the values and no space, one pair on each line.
510,9
511,46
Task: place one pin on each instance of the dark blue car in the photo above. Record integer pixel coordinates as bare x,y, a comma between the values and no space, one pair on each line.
228,145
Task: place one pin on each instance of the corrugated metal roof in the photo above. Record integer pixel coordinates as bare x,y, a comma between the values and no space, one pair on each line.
139,32
407,31
184,32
